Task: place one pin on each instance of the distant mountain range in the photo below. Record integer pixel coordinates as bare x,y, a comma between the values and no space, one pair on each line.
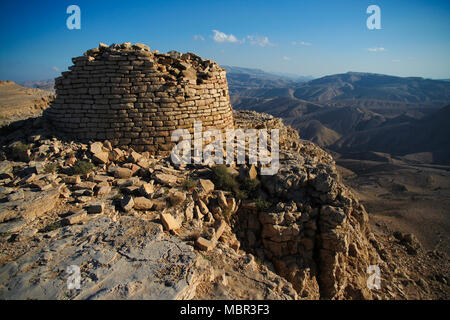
360,112
369,86
39,84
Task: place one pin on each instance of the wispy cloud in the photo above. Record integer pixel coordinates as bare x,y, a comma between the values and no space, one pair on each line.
286,58
260,41
199,37
222,37
376,49
55,69
301,43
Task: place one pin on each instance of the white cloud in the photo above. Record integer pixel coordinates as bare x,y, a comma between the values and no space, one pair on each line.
55,69
301,43
286,58
199,37
260,41
377,49
221,37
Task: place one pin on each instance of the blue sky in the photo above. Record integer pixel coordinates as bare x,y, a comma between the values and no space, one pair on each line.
310,37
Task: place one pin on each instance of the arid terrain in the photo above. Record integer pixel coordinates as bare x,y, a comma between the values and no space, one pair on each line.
18,103
391,150
408,199
310,232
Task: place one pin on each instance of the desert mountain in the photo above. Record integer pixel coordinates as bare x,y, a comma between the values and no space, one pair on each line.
359,112
47,85
430,134
17,102
355,85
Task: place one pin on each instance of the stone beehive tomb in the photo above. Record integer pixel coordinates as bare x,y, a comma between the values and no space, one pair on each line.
135,97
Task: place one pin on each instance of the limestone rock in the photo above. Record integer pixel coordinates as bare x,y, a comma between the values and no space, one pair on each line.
101,157
169,222
34,204
127,203
95,208
111,264
159,205
166,179
147,189
77,217
204,244
103,191
123,173
142,203
176,197
207,185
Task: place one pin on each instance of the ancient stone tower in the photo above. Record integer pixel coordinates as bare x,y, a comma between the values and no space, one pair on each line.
135,97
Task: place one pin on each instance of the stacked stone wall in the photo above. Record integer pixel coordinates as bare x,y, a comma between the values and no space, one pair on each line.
135,97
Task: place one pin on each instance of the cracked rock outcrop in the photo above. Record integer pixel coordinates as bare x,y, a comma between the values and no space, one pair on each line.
316,234
125,259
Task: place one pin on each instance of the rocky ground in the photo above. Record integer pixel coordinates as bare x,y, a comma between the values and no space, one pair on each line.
407,200
141,227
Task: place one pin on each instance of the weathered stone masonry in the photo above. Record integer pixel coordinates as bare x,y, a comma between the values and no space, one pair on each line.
135,97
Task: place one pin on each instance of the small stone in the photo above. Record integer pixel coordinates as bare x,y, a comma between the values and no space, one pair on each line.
130,190
107,145
207,185
169,222
141,46
28,179
222,200
134,157
100,179
252,173
177,197
101,157
202,206
103,190
219,229
147,189
159,205
96,147
72,180
198,213
84,185
166,179
189,212
76,217
84,199
204,244
95,208
117,154
127,203
123,173
142,203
